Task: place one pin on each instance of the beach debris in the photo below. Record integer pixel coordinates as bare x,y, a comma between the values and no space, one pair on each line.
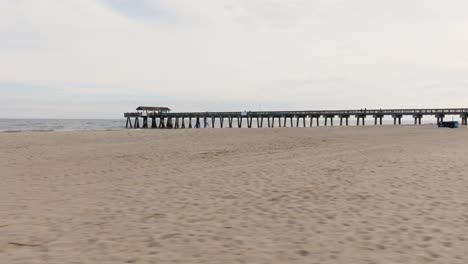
24,244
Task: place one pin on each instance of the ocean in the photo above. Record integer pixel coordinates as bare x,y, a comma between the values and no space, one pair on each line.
23,125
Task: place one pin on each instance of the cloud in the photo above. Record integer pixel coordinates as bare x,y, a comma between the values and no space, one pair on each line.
307,54
138,9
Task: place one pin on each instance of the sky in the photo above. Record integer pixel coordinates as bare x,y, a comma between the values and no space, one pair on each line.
101,58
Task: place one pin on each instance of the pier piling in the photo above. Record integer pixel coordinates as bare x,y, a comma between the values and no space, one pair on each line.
464,119
137,123
417,119
440,117
129,123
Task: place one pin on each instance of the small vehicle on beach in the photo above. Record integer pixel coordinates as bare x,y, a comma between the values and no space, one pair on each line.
449,124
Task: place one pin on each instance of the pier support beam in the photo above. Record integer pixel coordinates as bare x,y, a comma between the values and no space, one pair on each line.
129,123
331,119
346,118
153,122
230,118
249,122
417,119
197,122
169,123
440,117
377,118
361,119
397,119
239,121
190,122
464,119
183,122
317,118
137,123
221,122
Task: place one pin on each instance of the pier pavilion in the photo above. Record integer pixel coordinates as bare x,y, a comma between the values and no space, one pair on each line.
162,117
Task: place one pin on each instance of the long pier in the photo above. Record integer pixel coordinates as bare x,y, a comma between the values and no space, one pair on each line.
165,119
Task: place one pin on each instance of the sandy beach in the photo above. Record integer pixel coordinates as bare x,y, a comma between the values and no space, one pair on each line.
285,195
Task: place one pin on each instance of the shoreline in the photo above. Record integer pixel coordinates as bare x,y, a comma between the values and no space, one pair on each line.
159,129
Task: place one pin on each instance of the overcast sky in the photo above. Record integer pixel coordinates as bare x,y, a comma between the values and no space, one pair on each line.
100,58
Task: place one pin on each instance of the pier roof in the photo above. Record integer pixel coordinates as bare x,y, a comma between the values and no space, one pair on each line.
153,108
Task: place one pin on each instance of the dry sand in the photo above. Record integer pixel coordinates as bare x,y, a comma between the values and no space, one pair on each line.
316,195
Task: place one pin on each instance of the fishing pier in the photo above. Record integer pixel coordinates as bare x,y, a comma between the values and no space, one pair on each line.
162,117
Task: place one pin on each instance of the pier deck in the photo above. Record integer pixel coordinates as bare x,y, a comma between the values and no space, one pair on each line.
283,118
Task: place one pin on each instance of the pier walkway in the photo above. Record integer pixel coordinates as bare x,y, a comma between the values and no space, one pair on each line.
166,119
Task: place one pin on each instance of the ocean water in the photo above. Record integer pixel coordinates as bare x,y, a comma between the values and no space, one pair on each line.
23,125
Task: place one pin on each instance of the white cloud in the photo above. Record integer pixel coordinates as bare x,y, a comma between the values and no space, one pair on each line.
312,54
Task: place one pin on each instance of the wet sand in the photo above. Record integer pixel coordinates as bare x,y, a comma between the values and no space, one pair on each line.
285,195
